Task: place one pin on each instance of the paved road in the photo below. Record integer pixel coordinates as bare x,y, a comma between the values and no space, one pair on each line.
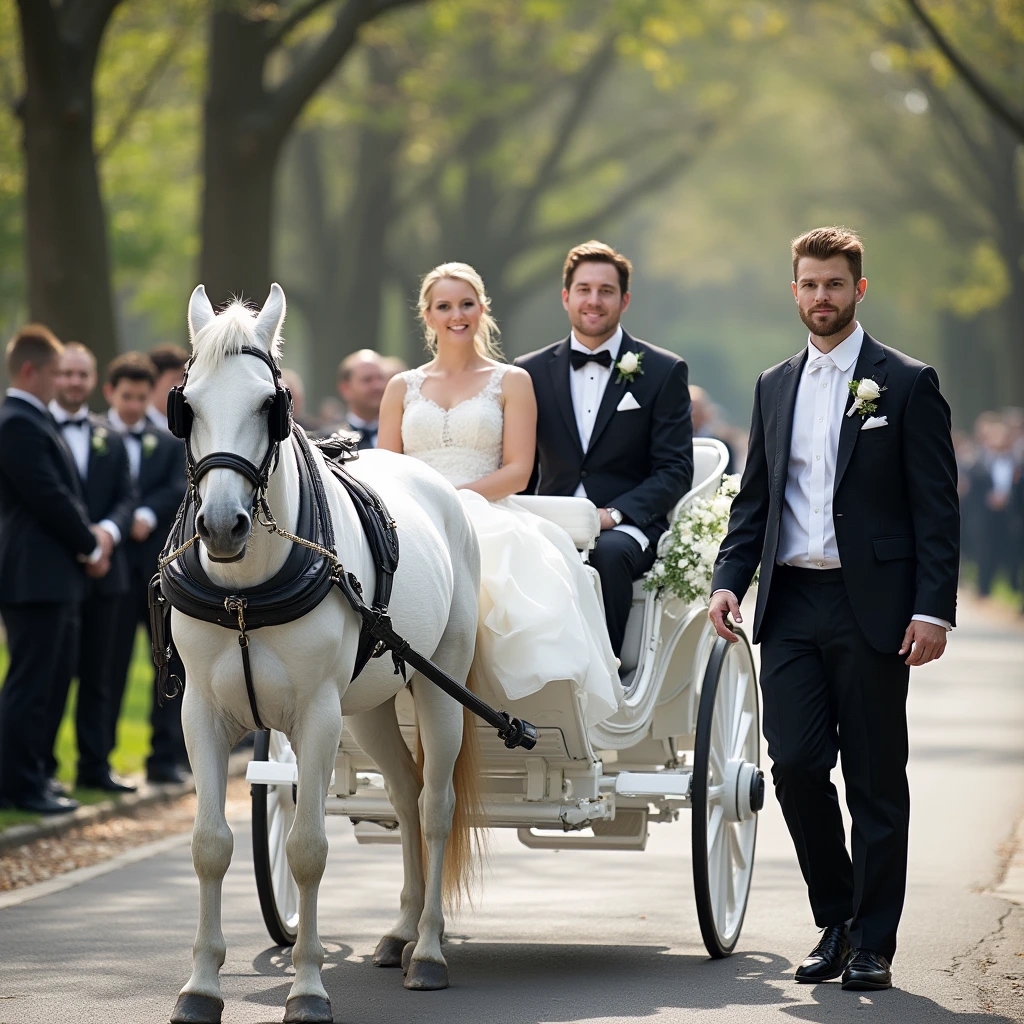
576,936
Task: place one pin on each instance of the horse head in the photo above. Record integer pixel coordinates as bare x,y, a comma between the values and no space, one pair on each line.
230,400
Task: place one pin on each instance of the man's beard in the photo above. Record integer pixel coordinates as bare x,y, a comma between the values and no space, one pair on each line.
840,319
579,325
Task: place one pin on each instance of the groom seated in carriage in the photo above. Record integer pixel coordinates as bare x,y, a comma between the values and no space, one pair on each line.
613,424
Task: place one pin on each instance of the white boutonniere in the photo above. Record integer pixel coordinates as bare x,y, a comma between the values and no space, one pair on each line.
629,365
148,444
865,396
99,440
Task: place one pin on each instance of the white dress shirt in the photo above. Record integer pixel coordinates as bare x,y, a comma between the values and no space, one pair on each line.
807,535
79,440
156,417
587,386
364,426
133,444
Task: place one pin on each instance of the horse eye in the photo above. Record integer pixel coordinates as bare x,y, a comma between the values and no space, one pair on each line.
267,404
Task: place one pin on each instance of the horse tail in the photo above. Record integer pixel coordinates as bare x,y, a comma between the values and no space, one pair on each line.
464,852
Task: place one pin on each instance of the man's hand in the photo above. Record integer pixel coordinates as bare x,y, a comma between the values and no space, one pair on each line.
723,604
140,529
105,541
99,569
607,523
927,640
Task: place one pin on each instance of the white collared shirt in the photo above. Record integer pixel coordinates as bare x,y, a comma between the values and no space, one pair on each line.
358,423
76,438
133,444
156,417
27,396
808,537
587,386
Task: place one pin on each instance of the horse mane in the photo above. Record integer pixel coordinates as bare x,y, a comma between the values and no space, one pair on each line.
226,335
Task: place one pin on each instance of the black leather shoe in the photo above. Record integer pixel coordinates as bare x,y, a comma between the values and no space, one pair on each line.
109,783
43,803
868,971
165,776
828,958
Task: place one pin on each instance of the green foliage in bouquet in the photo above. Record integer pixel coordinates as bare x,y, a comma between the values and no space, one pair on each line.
687,560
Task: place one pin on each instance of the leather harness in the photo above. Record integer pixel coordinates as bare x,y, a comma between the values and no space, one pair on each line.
311,569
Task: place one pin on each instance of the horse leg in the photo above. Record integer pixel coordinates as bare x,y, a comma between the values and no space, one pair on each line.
208,744
380,738
316,742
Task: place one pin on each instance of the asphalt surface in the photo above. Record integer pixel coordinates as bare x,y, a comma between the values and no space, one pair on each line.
587,936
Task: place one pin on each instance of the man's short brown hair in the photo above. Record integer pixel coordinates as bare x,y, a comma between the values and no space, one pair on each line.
353,359
77,346
35,344
596,252
824,243
131,366
168,357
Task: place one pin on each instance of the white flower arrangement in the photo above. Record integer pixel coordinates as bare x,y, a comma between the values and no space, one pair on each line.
866,393
687,561
629,366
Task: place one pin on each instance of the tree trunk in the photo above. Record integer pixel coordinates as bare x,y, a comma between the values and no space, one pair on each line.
239,161
66,246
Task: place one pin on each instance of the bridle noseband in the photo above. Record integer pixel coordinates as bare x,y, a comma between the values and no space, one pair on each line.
279,426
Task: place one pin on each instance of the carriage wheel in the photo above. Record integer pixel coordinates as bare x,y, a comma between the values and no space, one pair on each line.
728,791
273,811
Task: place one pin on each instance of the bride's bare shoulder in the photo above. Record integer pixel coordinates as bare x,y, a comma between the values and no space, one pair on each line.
516,383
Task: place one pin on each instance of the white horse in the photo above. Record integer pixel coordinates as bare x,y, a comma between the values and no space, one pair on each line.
302,670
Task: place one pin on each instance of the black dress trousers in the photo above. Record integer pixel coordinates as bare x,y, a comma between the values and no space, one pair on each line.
619,560
828,692
41,639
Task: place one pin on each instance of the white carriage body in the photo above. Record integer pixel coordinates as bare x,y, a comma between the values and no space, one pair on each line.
611,778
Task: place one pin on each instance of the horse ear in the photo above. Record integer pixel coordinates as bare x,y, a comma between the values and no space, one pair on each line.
268,323
200,312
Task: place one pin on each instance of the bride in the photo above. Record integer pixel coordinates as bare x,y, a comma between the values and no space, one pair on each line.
473,418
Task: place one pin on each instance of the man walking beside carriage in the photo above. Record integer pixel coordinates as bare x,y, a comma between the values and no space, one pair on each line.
848,505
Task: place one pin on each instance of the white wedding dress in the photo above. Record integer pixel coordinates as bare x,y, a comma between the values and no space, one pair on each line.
540,618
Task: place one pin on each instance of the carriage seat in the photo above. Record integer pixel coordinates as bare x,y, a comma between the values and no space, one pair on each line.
577,516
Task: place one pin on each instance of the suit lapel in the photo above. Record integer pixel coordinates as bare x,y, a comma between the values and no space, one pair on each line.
870,363
558,368
613,393
784,409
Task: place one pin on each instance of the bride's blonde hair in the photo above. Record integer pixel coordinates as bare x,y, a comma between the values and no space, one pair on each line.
487,335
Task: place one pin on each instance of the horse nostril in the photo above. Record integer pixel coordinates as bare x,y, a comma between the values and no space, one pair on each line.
241,527
201,529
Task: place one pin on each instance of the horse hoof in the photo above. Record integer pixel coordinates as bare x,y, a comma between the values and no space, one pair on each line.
195,1008
426,976
389,952
308,1010
407,952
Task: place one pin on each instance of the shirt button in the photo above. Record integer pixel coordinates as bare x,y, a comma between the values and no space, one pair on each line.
815,511
824,385
817,458
821,565
821,419
583,474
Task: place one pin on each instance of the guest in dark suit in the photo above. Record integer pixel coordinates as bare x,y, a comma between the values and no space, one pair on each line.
47,548
361,383
157,463
613,424
848,504
102,463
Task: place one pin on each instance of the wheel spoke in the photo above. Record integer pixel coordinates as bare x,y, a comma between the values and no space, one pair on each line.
736,717
739,855
715,794
721,894
717,763
740,736
715,820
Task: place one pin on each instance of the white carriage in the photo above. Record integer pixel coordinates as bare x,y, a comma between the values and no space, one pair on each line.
687,735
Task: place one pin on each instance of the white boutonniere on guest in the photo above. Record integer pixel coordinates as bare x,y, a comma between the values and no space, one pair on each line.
865,396
99,440
629,366
686,555
148,444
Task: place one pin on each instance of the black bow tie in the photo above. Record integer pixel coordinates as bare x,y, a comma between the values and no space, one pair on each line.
80,421
580,359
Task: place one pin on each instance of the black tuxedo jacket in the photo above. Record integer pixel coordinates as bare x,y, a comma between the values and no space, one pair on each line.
895,506
110,494
639,461
44,523
160,487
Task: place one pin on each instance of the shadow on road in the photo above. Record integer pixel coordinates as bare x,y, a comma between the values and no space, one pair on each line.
534,983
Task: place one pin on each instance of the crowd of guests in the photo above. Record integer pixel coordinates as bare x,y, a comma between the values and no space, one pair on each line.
86,501
991,485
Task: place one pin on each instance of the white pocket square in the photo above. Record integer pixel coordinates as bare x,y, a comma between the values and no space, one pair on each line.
628,402
875,421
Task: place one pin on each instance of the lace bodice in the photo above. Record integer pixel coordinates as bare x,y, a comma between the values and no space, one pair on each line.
462,443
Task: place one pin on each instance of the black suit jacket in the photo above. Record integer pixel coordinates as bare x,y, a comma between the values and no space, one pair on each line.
110,494
639,461
44,523
895,506
161,487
